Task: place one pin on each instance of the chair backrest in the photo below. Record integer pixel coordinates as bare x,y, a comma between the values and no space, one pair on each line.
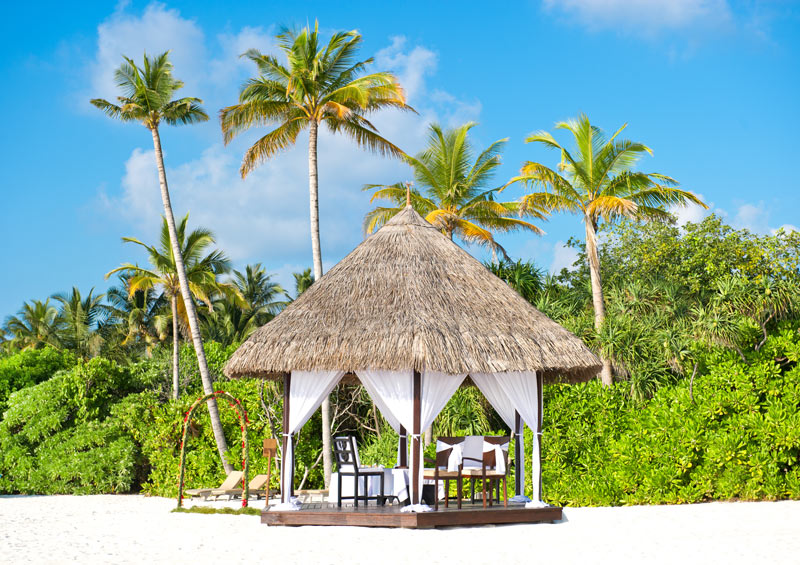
473,451
489,456
345,450
233,480
444,446
258,482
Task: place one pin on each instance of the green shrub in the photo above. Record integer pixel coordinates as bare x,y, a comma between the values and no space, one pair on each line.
55,437
738,439
157,426
28,368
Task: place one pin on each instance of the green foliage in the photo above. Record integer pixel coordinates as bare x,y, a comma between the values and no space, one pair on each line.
156,424
28,368
524,277
696,255
463,415
673,293
56,438
738,439
380,450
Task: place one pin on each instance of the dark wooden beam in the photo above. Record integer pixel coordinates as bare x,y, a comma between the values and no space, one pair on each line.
403,448
286,490
519,478
416,488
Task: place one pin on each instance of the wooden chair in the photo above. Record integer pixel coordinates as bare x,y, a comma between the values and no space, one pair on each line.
345,451
442,470
492,471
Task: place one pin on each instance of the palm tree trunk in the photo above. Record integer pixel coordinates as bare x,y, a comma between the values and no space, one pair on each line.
597,291
191,312
173,301
316,252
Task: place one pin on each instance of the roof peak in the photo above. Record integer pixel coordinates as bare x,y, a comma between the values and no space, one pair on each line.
408,217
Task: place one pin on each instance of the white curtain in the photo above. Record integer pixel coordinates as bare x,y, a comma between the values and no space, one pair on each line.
393,394
368,379
490,387
521,388
307,391
437,389
395,389
494,393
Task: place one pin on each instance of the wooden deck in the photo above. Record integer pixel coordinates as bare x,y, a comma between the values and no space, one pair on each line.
391,517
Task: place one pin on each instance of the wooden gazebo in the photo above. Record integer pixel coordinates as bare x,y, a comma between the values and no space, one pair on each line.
411,310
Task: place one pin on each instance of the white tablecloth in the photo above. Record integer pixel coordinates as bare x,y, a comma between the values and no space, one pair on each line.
395,484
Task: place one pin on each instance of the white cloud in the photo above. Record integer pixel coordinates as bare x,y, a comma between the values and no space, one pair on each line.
156,30
691,213
643,17
226,70
411,67
753,217
563,257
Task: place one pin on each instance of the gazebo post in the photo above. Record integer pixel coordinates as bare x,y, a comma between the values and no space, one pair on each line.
416,488
519,477
539,426
403,448
286,490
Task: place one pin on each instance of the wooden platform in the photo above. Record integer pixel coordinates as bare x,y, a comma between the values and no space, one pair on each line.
391,517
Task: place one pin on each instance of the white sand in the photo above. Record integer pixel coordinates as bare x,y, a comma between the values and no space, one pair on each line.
137,529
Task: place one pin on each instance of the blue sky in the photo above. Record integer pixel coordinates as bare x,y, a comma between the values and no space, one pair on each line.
710,85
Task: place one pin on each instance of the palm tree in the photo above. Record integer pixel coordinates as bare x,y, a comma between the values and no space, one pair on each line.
201,273
322,84
137,315
458,198
78,320
598,183
257,301
147,98
34,326
302,282
263,297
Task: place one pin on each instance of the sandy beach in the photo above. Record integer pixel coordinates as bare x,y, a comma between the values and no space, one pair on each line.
139,529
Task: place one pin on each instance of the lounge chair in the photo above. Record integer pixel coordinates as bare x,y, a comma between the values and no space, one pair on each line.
233,478
256,488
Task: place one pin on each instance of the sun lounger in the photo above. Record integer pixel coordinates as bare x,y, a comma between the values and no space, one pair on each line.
256,488
233,478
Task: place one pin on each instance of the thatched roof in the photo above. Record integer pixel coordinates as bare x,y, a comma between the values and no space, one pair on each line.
408,297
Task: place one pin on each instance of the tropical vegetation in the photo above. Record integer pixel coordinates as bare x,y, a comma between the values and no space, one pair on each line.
201,269
699,323
599,184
